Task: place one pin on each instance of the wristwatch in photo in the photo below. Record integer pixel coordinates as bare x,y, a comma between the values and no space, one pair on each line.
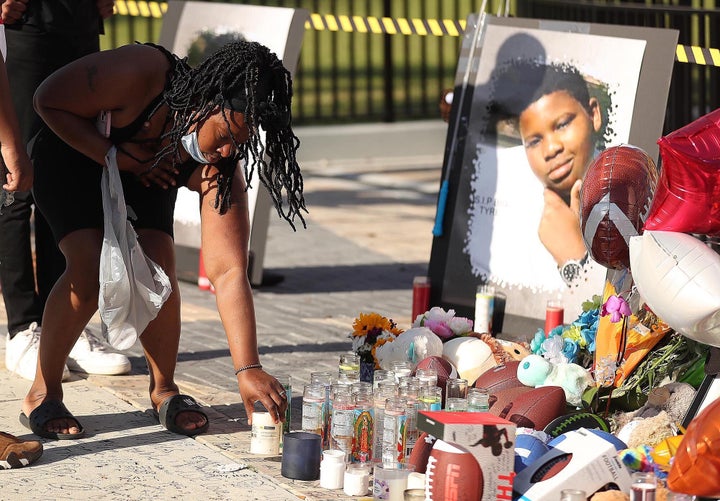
571,270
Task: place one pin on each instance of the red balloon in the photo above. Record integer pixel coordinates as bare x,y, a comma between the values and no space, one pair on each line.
688,196
615,198
696,467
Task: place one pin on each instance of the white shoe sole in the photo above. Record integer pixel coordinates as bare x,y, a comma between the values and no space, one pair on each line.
100,370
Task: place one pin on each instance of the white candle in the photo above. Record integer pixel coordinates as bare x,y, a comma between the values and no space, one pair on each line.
357,480
396,488
265,438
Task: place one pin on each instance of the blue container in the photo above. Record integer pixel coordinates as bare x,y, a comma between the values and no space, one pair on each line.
301,455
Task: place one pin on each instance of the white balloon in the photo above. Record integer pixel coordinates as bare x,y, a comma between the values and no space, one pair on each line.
678,276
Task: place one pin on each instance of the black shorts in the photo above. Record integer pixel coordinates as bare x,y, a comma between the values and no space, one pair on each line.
67,191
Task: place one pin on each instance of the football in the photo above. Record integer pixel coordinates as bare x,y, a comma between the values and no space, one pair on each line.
529,407
421,452
575,421
528,448
453,474
443,368
499,378
615,199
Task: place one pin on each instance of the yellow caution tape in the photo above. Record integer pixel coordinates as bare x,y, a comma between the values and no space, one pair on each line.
390,26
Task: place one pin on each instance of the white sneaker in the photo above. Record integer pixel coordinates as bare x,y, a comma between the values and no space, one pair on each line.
21,353
90,356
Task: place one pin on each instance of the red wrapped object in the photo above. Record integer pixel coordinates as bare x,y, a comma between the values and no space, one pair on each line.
696,467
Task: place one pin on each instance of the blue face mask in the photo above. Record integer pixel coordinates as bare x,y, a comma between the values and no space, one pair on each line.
191,145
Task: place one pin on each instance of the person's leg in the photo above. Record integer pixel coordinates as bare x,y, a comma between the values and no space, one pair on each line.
161,339
22,303
70,305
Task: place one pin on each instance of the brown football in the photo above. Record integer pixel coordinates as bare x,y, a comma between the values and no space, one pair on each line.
615,198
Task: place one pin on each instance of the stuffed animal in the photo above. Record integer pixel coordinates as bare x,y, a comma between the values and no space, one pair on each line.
535,371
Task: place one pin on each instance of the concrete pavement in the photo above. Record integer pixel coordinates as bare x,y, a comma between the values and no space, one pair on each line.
369,234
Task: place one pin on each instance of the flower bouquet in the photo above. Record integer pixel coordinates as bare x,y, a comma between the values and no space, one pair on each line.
370,331
444,323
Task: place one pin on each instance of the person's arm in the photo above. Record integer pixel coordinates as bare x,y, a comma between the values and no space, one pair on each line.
20,174
121,81
559,229
12,10
224,240
105,8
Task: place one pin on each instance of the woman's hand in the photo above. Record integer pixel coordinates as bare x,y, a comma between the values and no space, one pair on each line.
13,10
105,8
257,385
20,171
559,229
140,159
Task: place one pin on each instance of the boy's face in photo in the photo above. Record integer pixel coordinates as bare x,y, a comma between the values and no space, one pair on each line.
558,133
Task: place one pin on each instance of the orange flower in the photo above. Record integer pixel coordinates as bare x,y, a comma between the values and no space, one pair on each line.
367,322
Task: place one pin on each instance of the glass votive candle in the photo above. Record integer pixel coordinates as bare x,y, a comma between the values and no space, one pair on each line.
390,481
265,435
573,495
414,495
401,368
349,366
554,315
430,398
456,404
643,486
312,408
456,387
427,377
387,385
478,400
357,479
382,375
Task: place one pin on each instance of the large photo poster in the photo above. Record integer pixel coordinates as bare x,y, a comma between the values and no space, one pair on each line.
541,104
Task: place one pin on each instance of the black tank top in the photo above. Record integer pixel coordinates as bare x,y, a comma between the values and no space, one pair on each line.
121,134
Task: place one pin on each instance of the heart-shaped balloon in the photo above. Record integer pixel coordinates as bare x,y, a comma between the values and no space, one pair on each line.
687,199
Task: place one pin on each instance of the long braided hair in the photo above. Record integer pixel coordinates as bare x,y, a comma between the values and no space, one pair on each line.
245,77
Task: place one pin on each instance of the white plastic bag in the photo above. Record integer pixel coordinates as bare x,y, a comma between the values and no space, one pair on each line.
132,287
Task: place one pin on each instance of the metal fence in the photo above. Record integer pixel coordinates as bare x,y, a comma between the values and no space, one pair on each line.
349,74
694,88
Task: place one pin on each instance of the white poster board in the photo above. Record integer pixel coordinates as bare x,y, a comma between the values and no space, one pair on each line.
495,197
279,29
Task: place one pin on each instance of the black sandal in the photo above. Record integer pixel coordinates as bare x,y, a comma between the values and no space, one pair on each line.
45,412
172,406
